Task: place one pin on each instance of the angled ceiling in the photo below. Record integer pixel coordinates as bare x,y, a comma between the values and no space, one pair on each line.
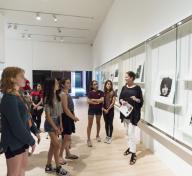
77,20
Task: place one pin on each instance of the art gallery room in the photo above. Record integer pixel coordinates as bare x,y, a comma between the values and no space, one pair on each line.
120,72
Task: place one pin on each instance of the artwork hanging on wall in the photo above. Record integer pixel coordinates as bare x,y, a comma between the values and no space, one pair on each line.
139,73
165,88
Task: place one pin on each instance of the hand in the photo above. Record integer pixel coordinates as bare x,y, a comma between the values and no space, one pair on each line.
134,98
76,119
38,138
57,131
124,103
61,129
105,111
32,149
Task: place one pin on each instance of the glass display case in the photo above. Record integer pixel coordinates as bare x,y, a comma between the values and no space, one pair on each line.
163,67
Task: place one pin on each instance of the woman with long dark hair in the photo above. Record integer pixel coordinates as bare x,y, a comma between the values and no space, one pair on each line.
108,110
68,119
95,101
53,124
131,94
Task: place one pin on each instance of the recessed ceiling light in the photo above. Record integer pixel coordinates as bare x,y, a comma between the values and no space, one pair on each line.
38,17
55,18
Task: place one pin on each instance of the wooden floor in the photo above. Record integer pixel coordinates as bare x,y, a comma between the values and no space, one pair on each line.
101,160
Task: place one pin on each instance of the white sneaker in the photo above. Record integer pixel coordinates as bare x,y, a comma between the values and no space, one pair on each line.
98,139
89,143
109,140
106,139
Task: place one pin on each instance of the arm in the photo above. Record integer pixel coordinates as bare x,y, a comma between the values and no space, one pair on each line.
91,101
48,117
112,104
98,101
64,101
40,102
11,113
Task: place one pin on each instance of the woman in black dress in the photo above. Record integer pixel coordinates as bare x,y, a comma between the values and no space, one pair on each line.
131,94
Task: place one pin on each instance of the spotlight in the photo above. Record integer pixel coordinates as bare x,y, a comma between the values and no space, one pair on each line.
59,30
15,26
9,26
179,23
62,40
55,18
158,35
29,36
38,17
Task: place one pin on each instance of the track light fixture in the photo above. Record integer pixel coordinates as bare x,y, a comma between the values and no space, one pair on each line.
55,18
62,40
29,36
59,30
9,26
38,16
15,26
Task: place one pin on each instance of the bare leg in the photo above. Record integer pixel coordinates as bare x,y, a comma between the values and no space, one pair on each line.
56,147
50,154
89,127
14,165
24,163
98,121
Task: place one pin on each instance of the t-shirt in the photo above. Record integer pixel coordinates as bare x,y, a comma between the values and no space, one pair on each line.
95,95
36,96
108,98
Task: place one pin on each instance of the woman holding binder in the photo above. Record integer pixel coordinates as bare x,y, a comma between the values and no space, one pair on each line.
131,95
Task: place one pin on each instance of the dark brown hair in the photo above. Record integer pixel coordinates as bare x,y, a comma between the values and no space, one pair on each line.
91,85
105,86
131,74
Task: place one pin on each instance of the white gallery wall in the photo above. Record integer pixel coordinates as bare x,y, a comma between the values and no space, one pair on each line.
34,55
130,22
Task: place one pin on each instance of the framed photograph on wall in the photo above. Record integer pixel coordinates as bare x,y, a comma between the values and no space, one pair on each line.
139,73
165,88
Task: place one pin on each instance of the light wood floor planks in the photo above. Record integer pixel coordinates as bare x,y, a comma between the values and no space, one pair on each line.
101,160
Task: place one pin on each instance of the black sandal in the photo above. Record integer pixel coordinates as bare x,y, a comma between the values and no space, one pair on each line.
127,152
133,159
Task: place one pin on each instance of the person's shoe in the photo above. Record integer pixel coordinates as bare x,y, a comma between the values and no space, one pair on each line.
98,139
49,169
89,143
109,140
61,172
106,139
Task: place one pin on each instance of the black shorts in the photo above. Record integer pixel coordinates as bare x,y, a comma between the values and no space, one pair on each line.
93,112
10,154
68,125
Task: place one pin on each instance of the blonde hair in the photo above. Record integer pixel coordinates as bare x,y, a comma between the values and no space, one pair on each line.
7,85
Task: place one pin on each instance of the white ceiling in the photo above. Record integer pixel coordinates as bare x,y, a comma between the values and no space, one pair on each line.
79,23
